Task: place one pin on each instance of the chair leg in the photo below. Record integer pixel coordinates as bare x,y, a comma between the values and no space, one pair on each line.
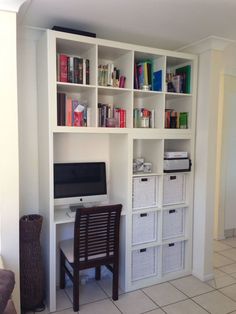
115,281
76,290
98,272
62,270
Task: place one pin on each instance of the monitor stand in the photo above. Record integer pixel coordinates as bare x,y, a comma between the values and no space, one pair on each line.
74,207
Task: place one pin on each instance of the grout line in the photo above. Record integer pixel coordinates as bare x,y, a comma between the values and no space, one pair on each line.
200,305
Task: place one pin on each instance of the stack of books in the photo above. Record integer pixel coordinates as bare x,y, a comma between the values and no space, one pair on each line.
109,75
72,69
109,116
180,80
143,75
176,120
72,112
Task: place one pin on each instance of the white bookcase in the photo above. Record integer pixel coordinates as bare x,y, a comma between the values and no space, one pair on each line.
165,249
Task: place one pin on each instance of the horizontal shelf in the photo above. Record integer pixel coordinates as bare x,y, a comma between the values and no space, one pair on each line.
146,245
73,88
109,90
175,206
144,93
170,95
146,210
137,133
146,174
174,240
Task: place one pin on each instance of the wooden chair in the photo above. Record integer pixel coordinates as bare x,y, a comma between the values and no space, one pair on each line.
95,243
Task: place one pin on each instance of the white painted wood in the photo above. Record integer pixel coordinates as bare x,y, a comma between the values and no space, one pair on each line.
228,153
9,181
117,147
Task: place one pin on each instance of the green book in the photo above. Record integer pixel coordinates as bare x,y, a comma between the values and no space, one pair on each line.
185,72
183,120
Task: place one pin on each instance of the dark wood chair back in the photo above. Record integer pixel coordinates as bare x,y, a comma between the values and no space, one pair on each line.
96,235
96,243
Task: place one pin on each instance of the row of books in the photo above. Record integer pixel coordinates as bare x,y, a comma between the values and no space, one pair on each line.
143,75
109,75
143,118
176,120
109,116
180,80
72,69
146,78
72,112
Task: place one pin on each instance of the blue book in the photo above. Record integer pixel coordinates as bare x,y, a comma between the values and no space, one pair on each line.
157,81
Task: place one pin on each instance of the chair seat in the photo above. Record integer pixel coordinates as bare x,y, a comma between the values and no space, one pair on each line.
67,247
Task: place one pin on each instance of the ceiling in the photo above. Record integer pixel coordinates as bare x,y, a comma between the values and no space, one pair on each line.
168,24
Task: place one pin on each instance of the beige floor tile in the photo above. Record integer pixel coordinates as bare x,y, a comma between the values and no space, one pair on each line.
216,303
230,292
218,273
191,286
106,284
100,307
157,311
90,292
221,281
233,275
230,242
135,302
220,246
62,300
164,294
231,253
184,307
229,269
68,311
220,260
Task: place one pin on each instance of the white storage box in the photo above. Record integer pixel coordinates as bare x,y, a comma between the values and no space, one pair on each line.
144,263
144,227
144,192
173,223
173,257
174,189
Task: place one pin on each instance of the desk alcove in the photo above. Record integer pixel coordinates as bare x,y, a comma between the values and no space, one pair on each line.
109,148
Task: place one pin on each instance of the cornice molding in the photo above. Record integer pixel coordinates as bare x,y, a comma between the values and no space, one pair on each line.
11,5
208,43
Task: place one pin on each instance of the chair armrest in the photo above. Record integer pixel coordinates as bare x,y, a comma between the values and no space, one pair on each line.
7,282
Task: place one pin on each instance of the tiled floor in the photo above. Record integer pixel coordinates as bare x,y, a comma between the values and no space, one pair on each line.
186,295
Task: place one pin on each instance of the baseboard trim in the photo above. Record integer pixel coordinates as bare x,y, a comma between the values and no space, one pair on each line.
205,277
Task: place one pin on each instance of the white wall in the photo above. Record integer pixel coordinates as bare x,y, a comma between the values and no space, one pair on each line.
209,83
28,134
228,172
9,179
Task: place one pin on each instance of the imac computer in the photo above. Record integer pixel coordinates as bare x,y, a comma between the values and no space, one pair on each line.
78,183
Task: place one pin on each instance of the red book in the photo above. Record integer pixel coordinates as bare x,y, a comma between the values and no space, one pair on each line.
78,118
63,60
122,118
68,112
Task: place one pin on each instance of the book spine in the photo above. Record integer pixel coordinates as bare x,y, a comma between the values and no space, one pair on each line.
84,71
76,70
87,72
80,79
68,111
122,118
63,68
71,69
74,106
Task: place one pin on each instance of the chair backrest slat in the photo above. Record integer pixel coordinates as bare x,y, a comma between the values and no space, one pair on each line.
96,232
